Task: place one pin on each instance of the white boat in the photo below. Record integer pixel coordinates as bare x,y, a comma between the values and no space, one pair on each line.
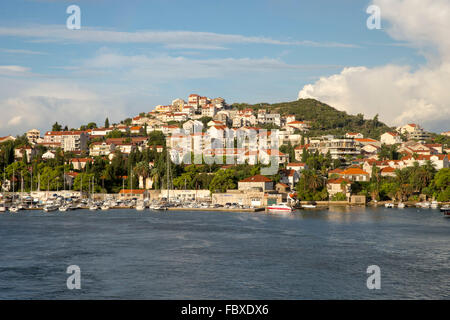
389,205
140,207
446,211
50,207
425,204
434,205
156,206
2,207
282,207
93,207
309,206
14,209
104,207
63,208
401,205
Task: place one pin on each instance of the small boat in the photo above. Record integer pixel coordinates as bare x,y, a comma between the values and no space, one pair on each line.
140,207
434,205
93,207
282,207
309,206
65,207
14,209
425,204
50,207
401,205
157,207
104,207
389,205
446,211
2,207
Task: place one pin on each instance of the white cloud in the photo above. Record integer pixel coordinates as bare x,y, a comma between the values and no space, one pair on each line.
164,67
13,70
39,105
21,51
398,93
187,39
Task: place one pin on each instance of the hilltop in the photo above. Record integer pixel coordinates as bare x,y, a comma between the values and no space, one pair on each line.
324,119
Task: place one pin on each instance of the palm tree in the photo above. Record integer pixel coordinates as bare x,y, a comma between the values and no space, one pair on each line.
403,188
142,169
155,176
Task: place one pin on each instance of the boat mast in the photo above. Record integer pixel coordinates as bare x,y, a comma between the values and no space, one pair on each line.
13,185
168,174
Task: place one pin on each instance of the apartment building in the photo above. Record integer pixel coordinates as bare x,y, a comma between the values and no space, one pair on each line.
339,148
67,140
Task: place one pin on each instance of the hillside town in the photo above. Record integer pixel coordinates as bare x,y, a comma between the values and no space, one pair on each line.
205,149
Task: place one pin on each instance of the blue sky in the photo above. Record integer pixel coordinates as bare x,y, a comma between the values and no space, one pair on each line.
130,56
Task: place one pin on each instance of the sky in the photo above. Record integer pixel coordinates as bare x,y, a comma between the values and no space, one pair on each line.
129,56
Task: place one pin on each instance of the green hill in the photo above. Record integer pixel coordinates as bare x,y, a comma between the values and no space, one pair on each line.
323,118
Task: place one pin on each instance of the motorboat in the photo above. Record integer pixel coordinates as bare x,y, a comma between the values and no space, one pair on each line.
434,205
309,206
281,207
401,205
425,205
156,206
63,208
389,205
105,207
2,207
50,208
93,207
140,207
14,208
446,210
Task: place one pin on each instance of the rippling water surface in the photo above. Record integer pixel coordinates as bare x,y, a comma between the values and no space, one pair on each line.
226,255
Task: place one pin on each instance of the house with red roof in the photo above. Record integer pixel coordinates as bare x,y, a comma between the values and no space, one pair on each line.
339,185
299,151
354,135
258,182
297,166
355,174
390,138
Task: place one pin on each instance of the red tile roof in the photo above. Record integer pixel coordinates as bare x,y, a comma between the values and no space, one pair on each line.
338,181
257,178
354,171
296,164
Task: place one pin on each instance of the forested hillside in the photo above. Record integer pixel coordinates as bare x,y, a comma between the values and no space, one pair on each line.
324,118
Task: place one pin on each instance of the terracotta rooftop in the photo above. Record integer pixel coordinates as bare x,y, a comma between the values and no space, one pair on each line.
257,178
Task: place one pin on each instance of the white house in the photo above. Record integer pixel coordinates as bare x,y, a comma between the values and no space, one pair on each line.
297,166
390,138
48,155
192,126
354,135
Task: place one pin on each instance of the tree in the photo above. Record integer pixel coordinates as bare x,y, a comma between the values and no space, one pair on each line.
441,182
87,182
223,180
311,186
91,125
142,169
205,121
156,138
340,196
106,123
56,127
